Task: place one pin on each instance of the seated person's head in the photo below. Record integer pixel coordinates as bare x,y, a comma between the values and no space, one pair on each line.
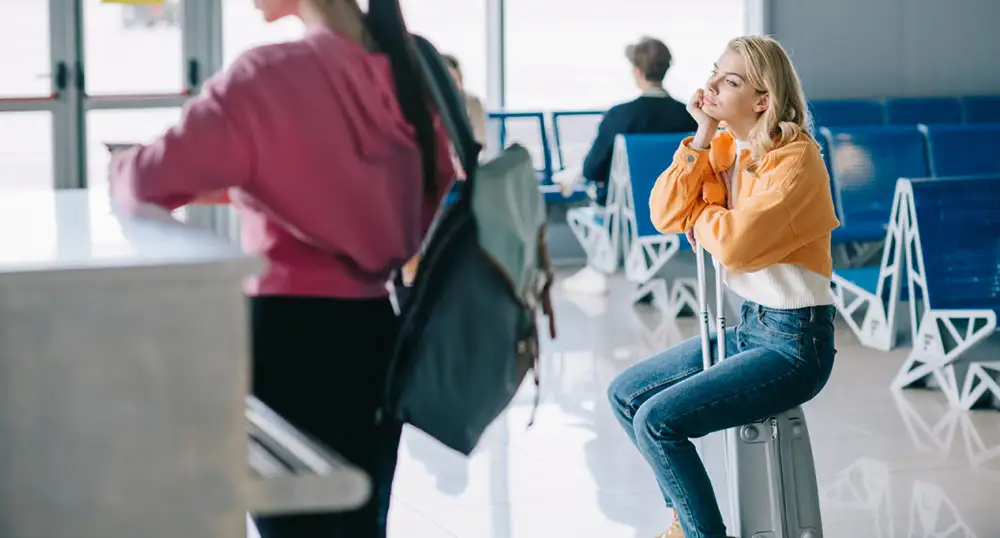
754,88
454,68
650,62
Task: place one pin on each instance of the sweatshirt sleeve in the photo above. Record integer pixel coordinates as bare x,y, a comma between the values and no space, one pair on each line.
768,226
679,195
208,151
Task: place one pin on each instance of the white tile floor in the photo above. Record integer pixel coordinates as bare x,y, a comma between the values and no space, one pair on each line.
890,465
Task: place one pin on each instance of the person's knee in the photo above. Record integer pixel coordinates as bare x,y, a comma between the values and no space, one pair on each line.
621,395
616,397
655,421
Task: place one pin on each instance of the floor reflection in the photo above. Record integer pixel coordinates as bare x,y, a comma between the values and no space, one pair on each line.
890,464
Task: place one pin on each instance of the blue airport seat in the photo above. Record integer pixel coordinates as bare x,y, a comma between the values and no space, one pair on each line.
860,233
956,251
959,222
867,298
527,129
639,160
963,150
574,132
597,228
649,155
866,162
981,108
847,112
824,149
550,193
926,110
865,278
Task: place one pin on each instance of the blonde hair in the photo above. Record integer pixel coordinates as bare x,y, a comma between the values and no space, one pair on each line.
344,16
769,70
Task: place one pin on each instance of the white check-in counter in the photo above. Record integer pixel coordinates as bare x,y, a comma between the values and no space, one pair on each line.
124,373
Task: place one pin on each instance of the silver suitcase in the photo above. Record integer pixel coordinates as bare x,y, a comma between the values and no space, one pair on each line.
770,473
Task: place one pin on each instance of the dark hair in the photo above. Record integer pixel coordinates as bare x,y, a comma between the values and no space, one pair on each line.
386,26
452,62
652,57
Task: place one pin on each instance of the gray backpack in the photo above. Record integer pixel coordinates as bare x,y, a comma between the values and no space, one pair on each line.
468,332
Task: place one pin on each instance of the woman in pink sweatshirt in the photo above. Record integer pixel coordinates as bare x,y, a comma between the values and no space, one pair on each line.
336,163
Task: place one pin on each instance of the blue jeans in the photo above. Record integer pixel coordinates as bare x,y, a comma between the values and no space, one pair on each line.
777,359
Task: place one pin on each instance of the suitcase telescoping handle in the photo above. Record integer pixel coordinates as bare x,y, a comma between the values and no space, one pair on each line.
720,310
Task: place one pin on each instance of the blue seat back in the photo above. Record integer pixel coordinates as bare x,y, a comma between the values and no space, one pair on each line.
824,148
847,112
528,130
914,110
981,108
959,223
963,150
866,163
649,155
574,132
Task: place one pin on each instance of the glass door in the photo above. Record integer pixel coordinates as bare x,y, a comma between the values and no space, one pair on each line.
140,68
28,95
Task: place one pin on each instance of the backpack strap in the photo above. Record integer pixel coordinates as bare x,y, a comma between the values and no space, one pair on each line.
450,105
447,98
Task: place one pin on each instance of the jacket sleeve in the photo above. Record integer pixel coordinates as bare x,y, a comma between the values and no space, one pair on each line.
766,227
679,195
207,152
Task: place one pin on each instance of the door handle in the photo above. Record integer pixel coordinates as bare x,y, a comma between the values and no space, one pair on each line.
193,75
61,78
80,80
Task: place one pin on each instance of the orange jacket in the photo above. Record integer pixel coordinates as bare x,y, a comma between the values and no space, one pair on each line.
782,214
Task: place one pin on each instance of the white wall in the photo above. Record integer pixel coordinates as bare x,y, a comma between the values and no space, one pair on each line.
873,48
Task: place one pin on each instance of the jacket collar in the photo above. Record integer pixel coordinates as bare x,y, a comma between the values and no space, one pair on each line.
657,91
724,149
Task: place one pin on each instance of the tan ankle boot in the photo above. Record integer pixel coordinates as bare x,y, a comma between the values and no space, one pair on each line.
673,532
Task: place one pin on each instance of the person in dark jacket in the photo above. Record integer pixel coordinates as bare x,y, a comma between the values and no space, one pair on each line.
654,111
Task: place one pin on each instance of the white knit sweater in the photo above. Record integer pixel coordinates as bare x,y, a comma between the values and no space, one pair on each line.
780,286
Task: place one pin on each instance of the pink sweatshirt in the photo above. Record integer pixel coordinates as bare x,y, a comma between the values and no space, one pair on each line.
318,158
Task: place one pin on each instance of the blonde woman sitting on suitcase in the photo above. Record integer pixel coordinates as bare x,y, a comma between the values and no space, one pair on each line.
757,197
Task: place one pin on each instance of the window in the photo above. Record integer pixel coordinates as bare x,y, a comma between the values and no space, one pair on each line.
244,28
462,32
128,126
26,150
26,121
133,49
35,238
24,40
570,54
456,27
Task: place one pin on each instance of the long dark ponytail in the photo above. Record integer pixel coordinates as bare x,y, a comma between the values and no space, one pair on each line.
386,26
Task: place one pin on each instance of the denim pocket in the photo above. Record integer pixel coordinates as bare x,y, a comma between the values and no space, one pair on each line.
822,336
787,325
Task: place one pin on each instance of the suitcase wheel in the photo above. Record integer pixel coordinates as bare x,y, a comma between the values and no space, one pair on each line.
750,433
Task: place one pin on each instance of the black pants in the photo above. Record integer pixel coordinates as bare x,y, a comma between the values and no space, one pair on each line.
321,364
